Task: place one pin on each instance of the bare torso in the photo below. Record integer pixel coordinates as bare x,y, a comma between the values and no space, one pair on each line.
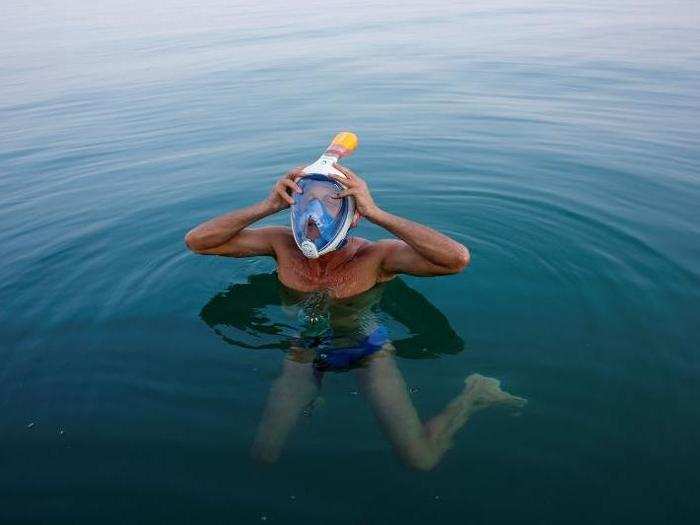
342,273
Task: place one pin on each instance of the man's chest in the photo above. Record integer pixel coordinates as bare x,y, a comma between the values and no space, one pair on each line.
348,279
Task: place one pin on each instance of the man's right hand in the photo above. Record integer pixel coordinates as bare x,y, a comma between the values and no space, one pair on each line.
281,197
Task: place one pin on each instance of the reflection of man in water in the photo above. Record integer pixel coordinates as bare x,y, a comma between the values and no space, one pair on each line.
341,275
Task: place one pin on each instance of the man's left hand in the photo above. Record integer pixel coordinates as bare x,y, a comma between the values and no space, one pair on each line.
357,188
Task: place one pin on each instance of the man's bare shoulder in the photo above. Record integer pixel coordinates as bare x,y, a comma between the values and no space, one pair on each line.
379,246
282,239
374,248
372,253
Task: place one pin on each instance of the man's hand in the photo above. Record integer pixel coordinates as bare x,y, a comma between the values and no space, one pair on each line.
355,186
280,197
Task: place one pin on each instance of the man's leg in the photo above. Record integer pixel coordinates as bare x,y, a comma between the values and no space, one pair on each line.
290,394
421,445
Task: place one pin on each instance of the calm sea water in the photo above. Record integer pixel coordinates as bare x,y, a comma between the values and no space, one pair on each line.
558,140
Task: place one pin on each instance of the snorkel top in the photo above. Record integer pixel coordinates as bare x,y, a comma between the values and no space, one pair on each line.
320,220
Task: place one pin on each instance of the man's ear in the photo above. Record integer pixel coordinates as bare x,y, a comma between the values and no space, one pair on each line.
355,219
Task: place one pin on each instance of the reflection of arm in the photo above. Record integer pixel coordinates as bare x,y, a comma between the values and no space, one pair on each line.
242,305
431,332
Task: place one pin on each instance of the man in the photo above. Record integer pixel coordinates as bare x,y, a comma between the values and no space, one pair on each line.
353,268
315,256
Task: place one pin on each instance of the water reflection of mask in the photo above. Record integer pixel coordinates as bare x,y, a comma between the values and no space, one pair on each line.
320,220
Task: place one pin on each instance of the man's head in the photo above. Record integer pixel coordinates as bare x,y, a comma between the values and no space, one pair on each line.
320,220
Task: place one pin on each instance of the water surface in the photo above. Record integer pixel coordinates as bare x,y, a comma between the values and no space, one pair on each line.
559,141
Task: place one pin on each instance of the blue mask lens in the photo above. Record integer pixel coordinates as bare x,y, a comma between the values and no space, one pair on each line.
317,213
318,205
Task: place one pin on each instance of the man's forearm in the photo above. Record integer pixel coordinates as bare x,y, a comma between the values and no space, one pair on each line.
434,246
219,230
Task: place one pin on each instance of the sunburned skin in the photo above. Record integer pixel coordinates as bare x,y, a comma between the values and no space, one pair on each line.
341,274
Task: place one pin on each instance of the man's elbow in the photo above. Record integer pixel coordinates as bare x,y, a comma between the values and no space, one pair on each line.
194,242
460,261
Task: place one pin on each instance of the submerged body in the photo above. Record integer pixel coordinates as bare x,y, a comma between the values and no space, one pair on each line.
336,334
348,334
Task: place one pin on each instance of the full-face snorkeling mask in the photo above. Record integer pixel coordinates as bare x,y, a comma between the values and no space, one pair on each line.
320,221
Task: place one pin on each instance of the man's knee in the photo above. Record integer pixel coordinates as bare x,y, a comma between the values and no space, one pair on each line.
422,462
420,456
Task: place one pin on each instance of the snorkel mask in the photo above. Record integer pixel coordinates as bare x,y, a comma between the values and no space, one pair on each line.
320,220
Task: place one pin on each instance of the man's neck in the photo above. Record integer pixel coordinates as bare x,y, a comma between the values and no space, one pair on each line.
332,260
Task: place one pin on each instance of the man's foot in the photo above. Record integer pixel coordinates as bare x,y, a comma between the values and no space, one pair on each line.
486,391
479,392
